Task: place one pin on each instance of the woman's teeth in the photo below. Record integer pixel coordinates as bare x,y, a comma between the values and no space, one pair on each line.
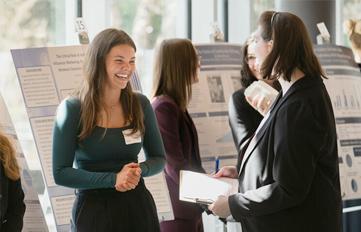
122,76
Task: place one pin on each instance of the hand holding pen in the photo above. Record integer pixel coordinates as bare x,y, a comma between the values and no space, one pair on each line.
227,171
216,159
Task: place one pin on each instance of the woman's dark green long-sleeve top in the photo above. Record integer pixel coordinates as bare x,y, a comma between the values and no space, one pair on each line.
97,158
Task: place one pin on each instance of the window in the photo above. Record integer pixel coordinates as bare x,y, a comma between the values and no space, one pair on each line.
147,22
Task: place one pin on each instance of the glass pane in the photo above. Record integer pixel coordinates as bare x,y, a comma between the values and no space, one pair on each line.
26,24
258,7
147,21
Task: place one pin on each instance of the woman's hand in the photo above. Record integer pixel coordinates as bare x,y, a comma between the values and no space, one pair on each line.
128,178
260,103
220,207
227,171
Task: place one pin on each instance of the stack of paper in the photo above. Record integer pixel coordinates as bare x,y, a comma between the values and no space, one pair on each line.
201,188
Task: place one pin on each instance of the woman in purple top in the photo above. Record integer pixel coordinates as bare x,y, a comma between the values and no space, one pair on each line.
176,69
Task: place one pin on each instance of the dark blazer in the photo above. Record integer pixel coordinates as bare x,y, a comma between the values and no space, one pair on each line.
182,151
289,178
243,118
12,204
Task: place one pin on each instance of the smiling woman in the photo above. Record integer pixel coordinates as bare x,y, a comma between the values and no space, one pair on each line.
103,129
120,64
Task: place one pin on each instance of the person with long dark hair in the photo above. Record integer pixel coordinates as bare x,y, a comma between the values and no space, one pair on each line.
243,117
103,128
289,176
176,69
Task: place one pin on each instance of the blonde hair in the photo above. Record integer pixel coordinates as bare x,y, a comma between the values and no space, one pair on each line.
8,159
353,31
175,68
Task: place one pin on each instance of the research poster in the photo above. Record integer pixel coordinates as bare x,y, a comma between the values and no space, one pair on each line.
344,87
47,75
34,218
219,77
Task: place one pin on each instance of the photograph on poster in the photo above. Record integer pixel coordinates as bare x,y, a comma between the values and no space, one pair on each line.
236,82
215,89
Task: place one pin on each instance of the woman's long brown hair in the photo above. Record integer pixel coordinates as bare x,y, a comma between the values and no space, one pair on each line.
95,77
292,46
175,68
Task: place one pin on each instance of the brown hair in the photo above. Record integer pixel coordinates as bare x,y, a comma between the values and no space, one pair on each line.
8,159
247,76
175,68
95,76
292,46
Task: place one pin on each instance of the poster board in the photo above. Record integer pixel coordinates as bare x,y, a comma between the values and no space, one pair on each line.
34,218
47,75
219,77
344,87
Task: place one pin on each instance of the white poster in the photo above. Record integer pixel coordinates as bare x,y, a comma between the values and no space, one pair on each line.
33,219
218,79
46,76
344,87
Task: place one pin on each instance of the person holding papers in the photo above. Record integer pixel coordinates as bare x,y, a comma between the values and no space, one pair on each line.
243,118
288,178
103,128
12,207
176,69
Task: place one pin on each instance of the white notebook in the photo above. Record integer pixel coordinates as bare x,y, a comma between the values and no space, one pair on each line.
201,188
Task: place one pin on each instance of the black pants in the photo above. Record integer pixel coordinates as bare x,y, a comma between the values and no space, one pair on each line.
107,210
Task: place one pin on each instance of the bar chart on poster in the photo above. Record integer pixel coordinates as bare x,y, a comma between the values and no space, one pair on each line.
219,77
343,85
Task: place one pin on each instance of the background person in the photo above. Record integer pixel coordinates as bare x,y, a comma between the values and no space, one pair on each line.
103,129
11,194
243,118
176,69
353,31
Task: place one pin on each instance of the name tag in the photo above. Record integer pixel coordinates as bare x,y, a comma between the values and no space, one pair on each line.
131,138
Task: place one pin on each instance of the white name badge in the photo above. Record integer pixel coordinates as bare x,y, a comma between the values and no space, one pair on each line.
131,138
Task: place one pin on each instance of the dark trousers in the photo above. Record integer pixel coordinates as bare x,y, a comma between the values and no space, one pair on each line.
101,210
182,225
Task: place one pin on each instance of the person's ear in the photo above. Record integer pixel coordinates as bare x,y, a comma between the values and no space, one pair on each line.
269,45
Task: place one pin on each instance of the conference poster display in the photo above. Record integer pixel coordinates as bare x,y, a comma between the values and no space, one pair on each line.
219,77
344,85
47,75
33,219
